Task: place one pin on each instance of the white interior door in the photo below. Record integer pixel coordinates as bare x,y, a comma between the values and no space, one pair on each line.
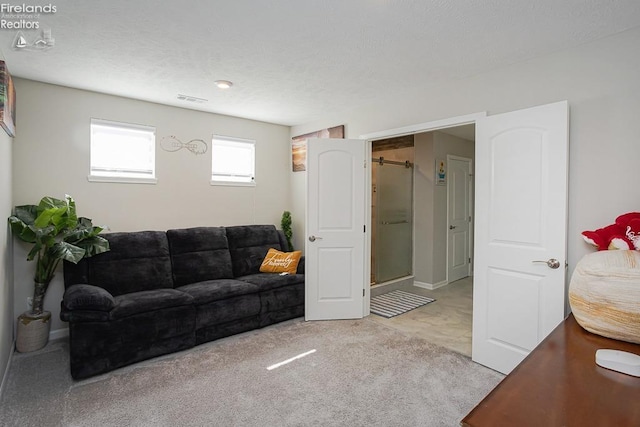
520,233
335,276
459,217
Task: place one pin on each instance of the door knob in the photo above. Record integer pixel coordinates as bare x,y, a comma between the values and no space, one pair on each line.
314,238
551,263
451,227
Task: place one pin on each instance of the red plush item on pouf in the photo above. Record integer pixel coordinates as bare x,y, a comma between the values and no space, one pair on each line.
623,234
632,232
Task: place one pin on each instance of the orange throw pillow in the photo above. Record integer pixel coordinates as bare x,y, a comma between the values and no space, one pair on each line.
280,262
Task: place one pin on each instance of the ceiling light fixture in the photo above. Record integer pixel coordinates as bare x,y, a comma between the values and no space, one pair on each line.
223,84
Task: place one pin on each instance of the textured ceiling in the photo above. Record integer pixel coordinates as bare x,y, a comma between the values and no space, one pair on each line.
293,61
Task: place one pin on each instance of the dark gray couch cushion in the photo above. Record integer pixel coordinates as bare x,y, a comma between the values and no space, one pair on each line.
199,254
249,244
268,281
214,290
87,297
98,347
141,302
228,310
137,261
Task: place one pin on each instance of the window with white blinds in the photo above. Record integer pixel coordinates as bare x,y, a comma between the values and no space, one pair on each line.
232,161
122,152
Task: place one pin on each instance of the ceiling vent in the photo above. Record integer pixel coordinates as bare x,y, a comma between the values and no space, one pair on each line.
192,99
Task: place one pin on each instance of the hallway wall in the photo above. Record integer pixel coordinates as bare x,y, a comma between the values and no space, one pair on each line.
430,255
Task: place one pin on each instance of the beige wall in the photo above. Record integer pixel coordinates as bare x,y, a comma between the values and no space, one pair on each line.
430,247
600,81
444,145
51,157
6,255
423,202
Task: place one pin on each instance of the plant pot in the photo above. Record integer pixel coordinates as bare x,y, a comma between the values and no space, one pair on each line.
32,332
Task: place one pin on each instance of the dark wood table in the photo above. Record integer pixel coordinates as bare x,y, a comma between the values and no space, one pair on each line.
559,384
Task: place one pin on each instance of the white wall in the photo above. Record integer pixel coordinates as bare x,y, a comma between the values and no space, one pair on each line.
51,157
6,255
600,81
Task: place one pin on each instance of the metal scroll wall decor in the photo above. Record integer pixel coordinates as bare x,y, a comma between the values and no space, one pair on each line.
171,143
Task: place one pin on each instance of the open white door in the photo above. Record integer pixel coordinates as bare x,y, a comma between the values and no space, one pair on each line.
335,276
520,233
458,217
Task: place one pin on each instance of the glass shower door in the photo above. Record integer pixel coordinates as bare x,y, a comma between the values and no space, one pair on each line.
394,222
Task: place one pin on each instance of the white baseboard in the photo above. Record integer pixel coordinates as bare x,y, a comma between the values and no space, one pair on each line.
58,333
430,286
6,370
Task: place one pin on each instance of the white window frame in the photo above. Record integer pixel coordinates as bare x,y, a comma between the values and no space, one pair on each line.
144,133
232,179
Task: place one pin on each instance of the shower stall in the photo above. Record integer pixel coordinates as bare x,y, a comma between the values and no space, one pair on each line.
392,216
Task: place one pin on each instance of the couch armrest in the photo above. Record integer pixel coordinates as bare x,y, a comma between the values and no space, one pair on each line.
87,297
300,269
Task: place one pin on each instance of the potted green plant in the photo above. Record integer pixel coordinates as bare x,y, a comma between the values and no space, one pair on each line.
57,234
285,223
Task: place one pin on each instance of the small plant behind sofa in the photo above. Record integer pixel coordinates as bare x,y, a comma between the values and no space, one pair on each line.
57,234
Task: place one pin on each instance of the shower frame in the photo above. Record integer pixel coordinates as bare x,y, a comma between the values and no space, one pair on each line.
392,232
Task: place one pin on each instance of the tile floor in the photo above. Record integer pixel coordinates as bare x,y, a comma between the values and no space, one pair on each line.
446,321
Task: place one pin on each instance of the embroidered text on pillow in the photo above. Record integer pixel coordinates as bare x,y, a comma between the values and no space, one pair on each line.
280,262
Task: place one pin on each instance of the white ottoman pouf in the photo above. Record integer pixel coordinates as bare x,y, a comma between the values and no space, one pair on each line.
604,294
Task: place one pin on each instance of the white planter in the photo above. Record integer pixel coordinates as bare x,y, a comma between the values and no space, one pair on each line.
32,332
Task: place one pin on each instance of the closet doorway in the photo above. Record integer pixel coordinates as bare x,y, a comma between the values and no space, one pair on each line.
436,241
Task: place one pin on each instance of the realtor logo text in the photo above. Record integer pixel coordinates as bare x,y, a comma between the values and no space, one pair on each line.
27,8
23,16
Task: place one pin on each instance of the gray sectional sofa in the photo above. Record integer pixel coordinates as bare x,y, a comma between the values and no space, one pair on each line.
158,292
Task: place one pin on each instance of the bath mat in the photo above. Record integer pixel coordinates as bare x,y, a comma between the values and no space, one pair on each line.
397,302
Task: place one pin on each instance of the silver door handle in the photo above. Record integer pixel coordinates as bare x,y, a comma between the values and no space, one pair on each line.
451,227
551,263
314,238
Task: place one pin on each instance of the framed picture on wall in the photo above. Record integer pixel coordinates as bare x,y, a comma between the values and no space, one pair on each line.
7,101
441,172
299,145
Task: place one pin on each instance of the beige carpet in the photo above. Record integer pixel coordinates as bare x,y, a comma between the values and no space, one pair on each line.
361,374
